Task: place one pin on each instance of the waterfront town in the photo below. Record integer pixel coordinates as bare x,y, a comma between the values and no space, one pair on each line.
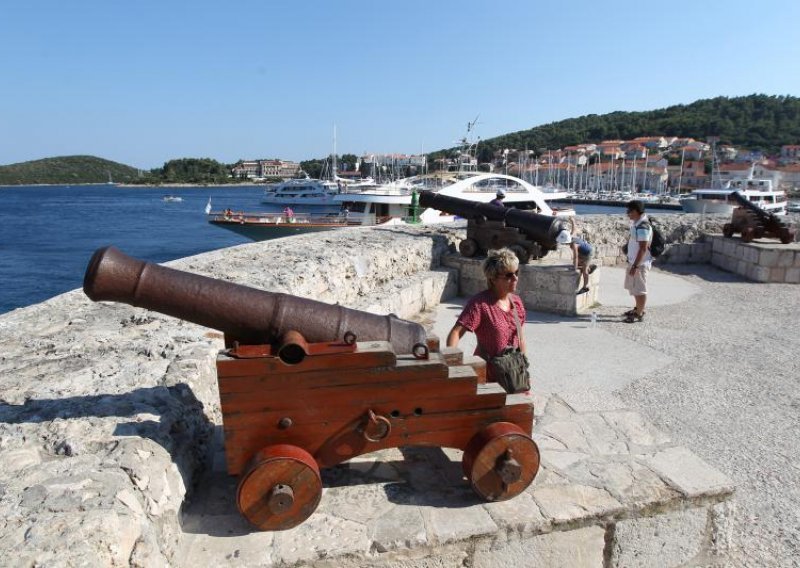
657,164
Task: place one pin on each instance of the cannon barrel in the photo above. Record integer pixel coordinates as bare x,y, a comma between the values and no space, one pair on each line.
770,219
541,228
244,314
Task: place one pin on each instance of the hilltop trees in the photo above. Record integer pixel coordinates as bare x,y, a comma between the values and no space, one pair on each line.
762,122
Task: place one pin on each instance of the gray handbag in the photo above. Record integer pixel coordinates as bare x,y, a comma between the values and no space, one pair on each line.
510,367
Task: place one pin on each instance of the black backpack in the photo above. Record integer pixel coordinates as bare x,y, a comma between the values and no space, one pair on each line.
658,244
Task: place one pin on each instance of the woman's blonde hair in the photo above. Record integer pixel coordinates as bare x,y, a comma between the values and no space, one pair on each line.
499,262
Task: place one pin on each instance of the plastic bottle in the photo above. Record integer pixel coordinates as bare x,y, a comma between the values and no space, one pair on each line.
594,319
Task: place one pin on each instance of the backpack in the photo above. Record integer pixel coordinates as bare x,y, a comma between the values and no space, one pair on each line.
658,244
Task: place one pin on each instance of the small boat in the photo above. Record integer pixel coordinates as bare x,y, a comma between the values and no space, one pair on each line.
172,198
261,226
793,207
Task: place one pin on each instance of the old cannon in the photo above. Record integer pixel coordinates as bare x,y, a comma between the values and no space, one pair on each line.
529,235
305,385
753,222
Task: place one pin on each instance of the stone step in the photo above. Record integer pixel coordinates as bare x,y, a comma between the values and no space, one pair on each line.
408,296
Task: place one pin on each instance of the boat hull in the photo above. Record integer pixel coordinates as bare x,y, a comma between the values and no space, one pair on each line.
707,206
267,231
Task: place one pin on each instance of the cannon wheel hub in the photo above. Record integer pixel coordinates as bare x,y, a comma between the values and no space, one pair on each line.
280,488
500,461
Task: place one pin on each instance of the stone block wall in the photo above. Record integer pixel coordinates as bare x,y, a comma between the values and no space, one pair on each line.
760,261
548,285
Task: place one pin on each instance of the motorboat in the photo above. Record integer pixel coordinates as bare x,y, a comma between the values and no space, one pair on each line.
720,200
172,198
793,207
397,201
312,195
260,226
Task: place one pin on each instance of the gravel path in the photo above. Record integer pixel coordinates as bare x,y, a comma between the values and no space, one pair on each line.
732,395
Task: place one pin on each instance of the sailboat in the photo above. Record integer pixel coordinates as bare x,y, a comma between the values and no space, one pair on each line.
208,207
110,181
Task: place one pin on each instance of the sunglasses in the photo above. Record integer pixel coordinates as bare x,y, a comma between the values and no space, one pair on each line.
510,275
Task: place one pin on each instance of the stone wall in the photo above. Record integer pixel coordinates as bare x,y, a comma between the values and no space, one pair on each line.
757,261
547,285
107,411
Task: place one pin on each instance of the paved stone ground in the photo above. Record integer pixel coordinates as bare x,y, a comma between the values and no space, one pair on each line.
731,395
716,370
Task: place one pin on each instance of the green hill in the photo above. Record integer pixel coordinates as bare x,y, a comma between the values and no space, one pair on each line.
67,170
757,122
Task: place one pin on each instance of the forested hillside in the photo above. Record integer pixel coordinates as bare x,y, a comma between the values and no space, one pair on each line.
67,170
760,122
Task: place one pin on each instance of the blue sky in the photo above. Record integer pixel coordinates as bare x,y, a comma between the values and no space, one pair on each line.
143,82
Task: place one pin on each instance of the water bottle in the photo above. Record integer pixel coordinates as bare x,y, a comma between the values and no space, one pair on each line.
594,319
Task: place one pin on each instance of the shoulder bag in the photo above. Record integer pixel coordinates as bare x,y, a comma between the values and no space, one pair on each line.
510,367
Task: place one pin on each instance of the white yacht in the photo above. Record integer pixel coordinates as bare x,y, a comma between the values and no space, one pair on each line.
720,200
395,202
312,194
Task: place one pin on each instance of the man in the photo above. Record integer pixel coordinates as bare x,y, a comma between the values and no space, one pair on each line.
498,200
639,259
581,254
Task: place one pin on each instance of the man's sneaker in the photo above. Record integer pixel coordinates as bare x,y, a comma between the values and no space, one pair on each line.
592,268
582,291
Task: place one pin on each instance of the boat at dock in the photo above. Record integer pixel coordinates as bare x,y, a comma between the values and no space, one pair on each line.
720,200
392,204
261,226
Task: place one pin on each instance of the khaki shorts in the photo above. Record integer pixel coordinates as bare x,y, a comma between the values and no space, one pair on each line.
636,285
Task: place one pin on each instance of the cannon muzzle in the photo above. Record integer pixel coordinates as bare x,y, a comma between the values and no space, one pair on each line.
540,228
243,314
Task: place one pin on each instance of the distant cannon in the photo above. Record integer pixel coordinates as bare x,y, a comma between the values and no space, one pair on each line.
529,235
298,393
753,222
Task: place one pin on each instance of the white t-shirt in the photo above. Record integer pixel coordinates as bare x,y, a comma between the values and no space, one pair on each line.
641,230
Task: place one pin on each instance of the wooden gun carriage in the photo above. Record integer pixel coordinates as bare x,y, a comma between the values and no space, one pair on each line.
752,222
291,406
528,234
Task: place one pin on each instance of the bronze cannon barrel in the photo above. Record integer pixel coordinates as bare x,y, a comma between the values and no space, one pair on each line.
244,314
540,228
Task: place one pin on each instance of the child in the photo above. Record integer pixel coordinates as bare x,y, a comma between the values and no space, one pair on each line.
581,254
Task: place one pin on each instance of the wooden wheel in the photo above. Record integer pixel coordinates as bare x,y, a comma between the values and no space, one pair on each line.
280,488
748,234
727,230
500,461
468,247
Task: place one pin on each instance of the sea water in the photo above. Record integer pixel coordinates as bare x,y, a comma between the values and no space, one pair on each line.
49,233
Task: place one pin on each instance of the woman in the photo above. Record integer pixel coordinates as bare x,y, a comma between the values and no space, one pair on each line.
489,314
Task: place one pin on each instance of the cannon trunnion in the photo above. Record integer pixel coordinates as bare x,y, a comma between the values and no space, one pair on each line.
291,405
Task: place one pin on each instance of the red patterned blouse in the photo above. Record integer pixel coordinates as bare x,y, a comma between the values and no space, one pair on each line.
494,328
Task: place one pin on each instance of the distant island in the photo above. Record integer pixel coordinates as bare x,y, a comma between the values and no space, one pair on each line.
762,123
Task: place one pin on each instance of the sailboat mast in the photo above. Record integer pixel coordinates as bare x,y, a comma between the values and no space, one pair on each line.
333,162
